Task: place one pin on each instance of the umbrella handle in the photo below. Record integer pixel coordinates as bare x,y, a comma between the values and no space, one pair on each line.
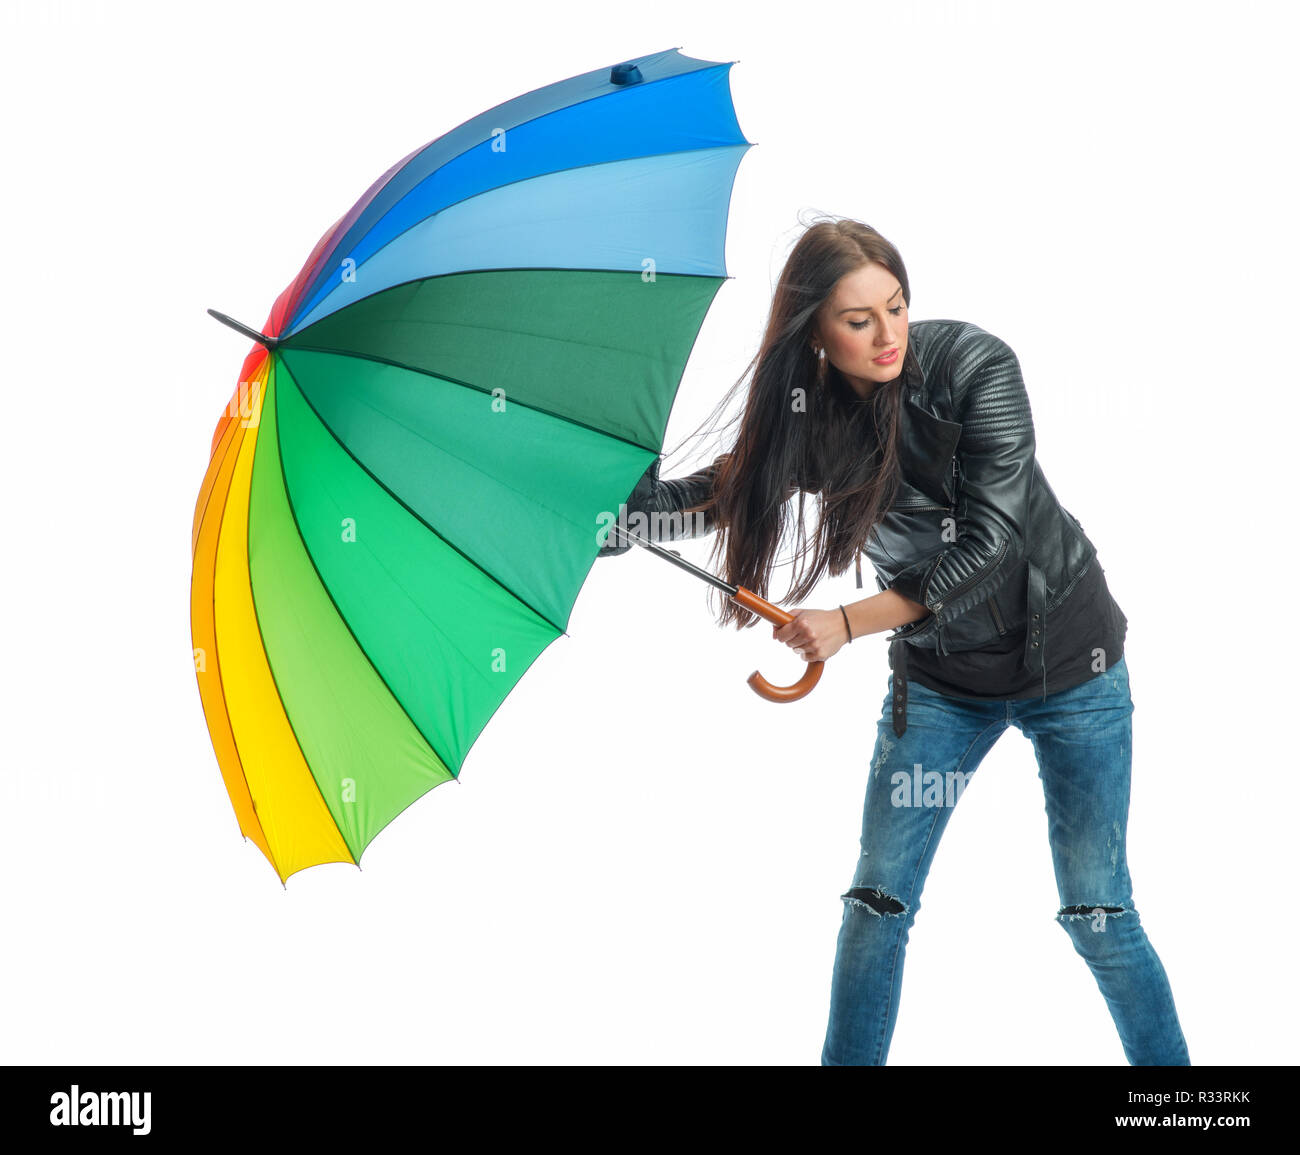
778,617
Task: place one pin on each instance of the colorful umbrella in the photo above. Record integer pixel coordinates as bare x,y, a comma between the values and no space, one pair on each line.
475,363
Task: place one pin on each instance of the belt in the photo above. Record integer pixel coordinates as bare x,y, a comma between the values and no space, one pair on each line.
1035,647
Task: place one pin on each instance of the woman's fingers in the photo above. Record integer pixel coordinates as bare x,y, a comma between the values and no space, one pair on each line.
813,634
794,630
798,633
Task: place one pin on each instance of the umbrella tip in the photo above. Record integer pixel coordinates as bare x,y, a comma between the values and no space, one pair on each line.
625,73
260,338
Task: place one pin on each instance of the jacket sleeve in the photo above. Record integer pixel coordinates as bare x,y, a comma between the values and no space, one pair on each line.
683,504
996,452
669,510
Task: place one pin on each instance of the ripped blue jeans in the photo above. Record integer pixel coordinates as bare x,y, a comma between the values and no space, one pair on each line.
1082,739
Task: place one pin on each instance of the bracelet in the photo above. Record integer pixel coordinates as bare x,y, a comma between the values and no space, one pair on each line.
847,627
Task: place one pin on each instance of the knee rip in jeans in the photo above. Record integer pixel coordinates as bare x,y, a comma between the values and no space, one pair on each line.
1098,914
875,900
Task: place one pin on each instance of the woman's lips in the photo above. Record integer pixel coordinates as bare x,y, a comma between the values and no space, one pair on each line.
888,359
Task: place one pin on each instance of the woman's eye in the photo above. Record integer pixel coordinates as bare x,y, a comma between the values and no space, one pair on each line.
863,324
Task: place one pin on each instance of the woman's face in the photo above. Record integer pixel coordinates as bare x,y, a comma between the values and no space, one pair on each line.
863,319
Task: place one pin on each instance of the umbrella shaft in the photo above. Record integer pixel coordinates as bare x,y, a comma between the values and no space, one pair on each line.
680,562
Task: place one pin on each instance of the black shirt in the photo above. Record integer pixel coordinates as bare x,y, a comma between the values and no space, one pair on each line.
1087,621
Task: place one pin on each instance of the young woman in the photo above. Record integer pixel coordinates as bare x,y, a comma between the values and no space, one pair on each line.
918,438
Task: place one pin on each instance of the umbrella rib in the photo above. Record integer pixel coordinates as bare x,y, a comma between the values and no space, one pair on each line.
313,288
560,515
379,561
216,653
294,340
342,618
266,653
455,775
291,331
450,545
294,343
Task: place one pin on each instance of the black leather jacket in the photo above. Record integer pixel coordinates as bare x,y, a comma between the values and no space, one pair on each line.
975,534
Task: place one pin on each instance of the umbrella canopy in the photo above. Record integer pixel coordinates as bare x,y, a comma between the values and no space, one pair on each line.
474,365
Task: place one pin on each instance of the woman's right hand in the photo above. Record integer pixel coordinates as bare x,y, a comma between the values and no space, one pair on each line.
655,496
640,500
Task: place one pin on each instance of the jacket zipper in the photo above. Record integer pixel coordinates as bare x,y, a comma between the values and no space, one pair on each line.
956,590
952,509
935,508
997,616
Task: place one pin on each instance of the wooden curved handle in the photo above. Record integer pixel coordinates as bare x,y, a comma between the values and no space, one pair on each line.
778,617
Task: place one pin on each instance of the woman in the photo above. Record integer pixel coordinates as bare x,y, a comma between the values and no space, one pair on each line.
919,440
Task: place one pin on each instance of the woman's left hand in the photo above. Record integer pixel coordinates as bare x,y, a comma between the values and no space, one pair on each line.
814,635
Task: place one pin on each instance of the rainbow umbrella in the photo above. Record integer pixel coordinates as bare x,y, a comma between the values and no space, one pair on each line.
404,494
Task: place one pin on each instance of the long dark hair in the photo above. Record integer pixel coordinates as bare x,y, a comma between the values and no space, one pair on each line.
803,429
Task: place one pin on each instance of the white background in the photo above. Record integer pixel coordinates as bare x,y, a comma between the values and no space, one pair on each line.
642,861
